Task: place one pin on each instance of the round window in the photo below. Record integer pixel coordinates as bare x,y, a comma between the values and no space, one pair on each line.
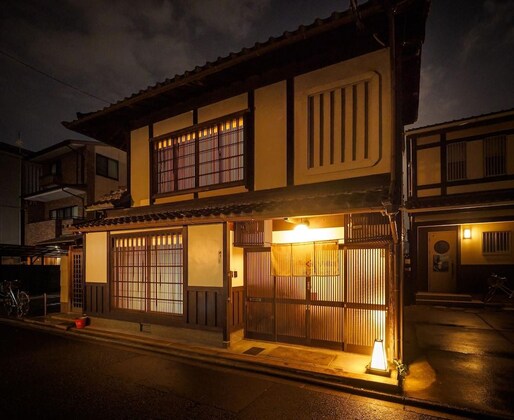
441,247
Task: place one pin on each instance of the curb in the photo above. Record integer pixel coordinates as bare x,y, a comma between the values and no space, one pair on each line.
356,386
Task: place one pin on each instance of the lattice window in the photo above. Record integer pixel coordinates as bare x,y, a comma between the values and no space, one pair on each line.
495,156
456,161
199,157
148,273
365,227
342,125
498,242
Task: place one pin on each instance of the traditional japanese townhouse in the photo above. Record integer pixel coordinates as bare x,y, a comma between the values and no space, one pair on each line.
66,178
226,160
460,200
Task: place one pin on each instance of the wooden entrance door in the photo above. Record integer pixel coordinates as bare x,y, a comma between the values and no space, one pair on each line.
341,303
442,258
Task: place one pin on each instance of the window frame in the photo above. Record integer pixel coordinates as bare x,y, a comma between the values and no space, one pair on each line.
196,128
502,142
463,161
108,160
147,269
497,239
63,211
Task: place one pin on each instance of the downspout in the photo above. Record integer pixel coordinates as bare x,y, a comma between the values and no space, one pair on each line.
396,174
63,189
79,156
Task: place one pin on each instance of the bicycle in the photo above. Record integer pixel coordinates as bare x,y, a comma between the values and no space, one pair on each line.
496,284
14,299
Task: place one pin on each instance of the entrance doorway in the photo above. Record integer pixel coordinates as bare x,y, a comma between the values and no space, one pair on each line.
339,301
442,258
77,280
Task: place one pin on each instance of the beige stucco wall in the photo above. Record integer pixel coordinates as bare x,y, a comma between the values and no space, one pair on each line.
372,69
105,185
175,123
140,167
205,255
429,166
471,249
222,108
270,137
96,257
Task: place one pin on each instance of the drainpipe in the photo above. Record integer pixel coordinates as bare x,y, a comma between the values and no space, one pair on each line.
396,173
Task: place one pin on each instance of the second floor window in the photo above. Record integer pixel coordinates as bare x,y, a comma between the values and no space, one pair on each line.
495,156
106,166
456,161
65,213
206,155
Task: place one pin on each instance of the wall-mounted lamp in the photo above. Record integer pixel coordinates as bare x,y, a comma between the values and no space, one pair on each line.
466,233
299,226
378,364
303,226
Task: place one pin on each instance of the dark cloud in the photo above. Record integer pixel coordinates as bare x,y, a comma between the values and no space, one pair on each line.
113,48
467,61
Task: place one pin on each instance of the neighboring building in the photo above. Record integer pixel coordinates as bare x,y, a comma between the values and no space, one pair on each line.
11,189
460,201
226,159
68,177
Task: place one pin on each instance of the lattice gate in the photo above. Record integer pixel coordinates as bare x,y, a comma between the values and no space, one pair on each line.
77,280
320,295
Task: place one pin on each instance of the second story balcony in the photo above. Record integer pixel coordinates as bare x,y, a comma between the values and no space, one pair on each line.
50,180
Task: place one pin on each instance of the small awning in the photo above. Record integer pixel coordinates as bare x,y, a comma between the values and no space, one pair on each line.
334,197
55,194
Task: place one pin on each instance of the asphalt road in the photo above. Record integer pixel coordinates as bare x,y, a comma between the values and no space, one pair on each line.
46,375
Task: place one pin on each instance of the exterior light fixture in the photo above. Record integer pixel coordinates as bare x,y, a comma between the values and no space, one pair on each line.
466,233
378,364
302,226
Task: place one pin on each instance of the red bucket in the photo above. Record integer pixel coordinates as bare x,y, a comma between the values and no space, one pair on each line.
80,322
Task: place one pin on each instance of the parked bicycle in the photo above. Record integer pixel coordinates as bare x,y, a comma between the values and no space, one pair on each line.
14,300
497,284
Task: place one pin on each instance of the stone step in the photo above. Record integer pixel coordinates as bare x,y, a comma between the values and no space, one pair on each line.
429,296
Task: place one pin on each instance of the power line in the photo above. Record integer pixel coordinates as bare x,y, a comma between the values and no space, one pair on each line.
52,77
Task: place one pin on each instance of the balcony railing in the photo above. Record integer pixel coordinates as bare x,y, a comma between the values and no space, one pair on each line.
49,180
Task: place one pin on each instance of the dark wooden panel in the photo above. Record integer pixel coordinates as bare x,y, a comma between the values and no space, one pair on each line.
97,302
237,299
204,307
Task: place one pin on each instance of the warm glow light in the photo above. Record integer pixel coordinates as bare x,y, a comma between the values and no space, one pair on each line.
378,363
466,233
302,227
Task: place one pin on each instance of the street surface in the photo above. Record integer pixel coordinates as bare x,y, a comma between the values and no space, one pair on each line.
47,375
461,357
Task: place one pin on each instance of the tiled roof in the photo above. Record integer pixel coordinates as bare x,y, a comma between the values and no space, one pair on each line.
251,205
341,36
112,199
257,48
468,199
488,115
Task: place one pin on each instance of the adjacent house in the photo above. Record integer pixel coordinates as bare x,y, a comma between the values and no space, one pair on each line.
11,186
68,177
460,202
265,187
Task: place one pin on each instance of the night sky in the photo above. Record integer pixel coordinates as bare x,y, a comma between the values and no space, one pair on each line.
103,51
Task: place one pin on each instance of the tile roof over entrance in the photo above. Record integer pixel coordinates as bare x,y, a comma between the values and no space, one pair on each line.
328,198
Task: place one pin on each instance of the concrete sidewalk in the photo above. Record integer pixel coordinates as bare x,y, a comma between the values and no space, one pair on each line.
461,360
